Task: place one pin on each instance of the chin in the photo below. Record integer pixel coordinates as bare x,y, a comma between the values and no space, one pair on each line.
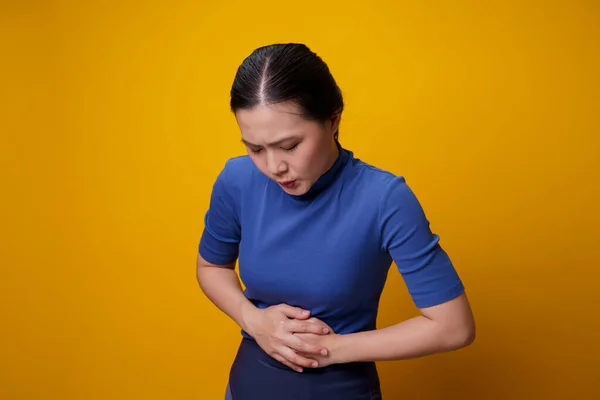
295,192
298,190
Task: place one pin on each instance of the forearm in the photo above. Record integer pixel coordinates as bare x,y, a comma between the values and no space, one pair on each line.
415,337
222,286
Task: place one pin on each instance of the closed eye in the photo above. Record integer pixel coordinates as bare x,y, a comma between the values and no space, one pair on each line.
291,148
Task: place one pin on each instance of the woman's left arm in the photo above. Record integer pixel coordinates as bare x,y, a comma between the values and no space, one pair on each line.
441,328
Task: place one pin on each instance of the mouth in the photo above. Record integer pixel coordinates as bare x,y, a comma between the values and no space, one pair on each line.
287,184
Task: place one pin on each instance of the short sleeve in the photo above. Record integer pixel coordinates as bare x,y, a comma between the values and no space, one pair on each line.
425,267
222,233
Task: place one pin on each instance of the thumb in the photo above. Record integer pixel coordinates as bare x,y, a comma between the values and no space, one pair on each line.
293,312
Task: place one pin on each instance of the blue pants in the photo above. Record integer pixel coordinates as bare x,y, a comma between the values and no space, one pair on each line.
256,375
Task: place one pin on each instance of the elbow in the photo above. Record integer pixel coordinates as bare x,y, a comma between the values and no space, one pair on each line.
455,323
467,337
460,336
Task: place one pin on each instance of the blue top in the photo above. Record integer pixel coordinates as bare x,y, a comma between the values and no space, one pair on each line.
329,250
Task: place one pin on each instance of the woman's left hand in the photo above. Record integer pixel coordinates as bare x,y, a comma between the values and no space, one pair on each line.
328,341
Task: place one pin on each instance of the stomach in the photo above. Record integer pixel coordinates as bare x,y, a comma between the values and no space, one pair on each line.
256,375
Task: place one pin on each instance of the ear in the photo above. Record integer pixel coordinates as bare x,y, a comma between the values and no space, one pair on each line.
334,122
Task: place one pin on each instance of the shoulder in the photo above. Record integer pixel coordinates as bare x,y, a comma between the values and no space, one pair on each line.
378,183
236,167
388,194
237,174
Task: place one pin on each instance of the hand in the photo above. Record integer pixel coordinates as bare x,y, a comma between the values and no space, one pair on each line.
275,330
328,341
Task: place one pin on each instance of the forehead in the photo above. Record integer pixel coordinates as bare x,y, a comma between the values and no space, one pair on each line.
267,123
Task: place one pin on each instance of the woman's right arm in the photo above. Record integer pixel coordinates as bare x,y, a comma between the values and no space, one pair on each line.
273,328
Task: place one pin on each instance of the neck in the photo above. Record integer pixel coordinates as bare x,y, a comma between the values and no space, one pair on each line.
334,153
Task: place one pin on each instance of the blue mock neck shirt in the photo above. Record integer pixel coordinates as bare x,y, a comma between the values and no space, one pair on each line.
329,250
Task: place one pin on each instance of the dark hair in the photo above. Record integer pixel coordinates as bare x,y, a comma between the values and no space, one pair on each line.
287,72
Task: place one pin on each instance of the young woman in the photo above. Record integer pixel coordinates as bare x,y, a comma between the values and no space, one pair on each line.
314,231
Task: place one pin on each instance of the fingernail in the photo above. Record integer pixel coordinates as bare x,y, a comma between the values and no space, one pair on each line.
299,370
325,330
324,352
315,365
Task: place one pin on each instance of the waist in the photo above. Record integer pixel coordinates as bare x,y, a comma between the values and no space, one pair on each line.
255,374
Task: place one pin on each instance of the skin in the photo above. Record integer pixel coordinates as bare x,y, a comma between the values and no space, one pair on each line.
287,147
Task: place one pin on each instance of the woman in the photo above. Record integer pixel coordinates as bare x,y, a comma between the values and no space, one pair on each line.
314,231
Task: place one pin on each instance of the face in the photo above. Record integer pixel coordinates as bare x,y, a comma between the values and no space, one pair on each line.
289,149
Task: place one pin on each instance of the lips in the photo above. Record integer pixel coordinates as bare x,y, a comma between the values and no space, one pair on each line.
287,184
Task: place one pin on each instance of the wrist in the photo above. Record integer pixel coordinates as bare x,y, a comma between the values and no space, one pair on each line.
248,315
340,348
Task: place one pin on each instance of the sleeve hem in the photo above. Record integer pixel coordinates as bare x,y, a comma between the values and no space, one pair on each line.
215,259
439,297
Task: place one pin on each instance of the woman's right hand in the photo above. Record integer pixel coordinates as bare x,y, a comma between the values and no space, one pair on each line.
273,329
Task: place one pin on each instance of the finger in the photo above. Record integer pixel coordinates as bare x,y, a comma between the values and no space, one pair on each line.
294,358
307,327
316,320
282,360
296,343
293,312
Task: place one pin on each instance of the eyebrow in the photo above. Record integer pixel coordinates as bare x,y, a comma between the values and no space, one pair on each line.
275,143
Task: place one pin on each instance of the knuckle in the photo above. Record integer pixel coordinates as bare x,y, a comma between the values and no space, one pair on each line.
306,363
292,366
306,346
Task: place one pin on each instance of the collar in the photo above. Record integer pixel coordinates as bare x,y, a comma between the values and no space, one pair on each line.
325,180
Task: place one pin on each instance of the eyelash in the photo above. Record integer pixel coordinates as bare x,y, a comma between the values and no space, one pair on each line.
288,149
292,148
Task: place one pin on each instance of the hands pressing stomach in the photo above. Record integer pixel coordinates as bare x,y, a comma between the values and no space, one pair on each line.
288,335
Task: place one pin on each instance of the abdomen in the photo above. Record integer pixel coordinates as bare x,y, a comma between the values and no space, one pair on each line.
256,375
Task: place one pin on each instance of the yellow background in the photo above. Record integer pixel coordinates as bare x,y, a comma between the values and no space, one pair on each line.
114,122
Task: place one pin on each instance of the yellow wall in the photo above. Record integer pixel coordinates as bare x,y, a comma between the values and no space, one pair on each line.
114,123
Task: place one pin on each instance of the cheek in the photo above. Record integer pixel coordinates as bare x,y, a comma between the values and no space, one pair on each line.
307,164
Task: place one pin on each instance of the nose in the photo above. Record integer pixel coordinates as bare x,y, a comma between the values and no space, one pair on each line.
275,165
